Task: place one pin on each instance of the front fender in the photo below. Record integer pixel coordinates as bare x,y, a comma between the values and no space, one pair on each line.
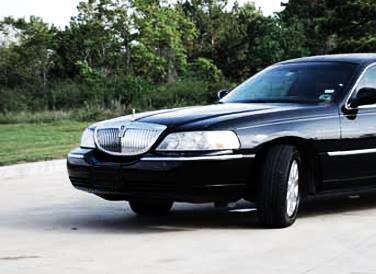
319,130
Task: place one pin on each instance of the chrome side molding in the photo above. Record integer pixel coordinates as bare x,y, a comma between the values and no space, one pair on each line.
352,152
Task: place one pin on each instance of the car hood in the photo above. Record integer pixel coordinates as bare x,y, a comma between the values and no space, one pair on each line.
225,116
213,114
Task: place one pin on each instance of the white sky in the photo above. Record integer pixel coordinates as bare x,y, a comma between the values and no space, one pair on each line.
59,12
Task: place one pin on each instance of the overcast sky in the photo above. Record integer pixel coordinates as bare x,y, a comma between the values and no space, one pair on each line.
59,12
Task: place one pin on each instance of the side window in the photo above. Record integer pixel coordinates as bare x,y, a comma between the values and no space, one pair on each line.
369,79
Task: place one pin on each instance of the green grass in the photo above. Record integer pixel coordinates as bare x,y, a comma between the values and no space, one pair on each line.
36,142
89,113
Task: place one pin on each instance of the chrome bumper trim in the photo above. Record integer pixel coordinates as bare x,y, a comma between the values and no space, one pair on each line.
75,156
352,152
200,158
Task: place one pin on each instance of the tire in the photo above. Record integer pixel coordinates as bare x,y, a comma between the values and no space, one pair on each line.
278,189
143,208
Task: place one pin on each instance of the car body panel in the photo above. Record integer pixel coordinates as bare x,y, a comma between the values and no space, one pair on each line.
343,141
190,181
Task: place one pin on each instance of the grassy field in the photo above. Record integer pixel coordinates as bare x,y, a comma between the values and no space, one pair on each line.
34,142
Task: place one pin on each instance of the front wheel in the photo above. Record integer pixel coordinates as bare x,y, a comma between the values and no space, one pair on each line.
279,194
151,208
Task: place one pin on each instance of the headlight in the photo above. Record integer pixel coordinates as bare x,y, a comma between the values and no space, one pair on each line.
200,140
87,139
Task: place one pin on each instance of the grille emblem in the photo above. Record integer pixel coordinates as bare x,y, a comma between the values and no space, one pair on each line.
122,131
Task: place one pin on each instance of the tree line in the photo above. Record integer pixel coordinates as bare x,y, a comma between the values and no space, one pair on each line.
151,53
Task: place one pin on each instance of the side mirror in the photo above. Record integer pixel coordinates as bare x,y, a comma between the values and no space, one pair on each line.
222,93
365,96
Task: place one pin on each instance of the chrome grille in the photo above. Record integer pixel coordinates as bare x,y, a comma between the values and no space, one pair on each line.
132,138
108,139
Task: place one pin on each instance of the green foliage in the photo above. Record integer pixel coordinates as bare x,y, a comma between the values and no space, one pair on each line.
185,92
95,38
252,41
205,69
14,99
33,55
312,16
34,117
210,18
110,97
334,26
163,31
116,55
354,25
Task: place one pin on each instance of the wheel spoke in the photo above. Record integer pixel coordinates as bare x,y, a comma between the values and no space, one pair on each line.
292,195
296,190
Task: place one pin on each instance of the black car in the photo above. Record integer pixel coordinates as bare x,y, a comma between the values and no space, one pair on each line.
297,129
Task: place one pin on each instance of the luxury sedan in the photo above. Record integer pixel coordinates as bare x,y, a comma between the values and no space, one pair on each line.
297,129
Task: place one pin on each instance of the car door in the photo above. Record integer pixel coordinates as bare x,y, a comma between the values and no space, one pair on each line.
356,158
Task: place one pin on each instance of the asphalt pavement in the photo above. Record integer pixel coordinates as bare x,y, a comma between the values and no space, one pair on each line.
46,226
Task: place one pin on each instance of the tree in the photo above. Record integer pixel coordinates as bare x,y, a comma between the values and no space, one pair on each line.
353,24
252,41
99,37
335,26
162,33
33,50
313,16
211,20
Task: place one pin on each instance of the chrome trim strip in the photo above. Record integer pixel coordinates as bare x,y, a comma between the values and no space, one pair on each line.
200,158
352,152
224,185
76,156
347,105
367,106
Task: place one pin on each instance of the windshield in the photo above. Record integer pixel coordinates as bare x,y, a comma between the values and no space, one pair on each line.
311,82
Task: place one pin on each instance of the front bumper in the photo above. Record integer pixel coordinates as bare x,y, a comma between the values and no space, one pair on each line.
204,178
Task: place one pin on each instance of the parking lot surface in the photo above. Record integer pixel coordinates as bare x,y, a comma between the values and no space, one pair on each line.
46,226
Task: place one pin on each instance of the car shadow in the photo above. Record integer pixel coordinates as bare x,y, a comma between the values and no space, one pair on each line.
107,217
349,205
116,217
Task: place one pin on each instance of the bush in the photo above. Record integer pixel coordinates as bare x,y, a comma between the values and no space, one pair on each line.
88,113
203,68
14,100
186,92
34,117
97,100
125,92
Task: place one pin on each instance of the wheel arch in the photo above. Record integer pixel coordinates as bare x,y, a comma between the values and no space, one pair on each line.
309,156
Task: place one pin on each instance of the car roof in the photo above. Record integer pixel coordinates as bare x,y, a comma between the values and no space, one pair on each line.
357,58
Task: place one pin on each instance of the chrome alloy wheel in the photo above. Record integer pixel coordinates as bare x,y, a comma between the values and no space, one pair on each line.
292,197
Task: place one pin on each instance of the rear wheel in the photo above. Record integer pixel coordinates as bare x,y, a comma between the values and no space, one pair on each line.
279,194
158,208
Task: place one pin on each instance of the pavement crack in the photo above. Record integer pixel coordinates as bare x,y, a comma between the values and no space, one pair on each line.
16,258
